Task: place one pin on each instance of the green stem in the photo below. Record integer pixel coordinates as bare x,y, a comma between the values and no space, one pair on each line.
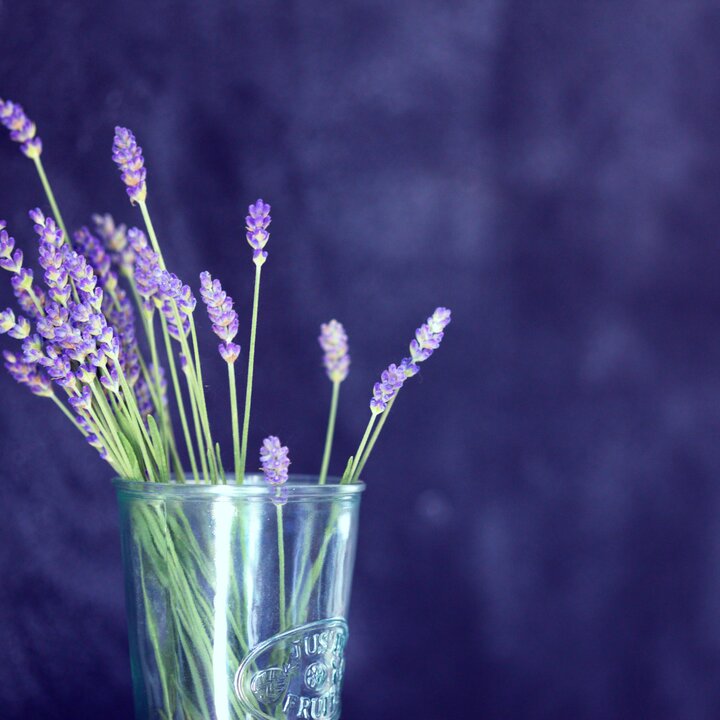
151,233
106,429
251,365
179,400
234,414
159,404
281,564
374,438
51,198
201,401
361,447
330,432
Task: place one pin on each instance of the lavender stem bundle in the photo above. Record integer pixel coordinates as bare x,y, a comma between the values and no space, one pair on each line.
78,334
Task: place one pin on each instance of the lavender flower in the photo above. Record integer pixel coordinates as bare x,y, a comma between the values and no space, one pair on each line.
428,336
224,319
53,256
22,129
274,460
334,342
94,252
10,259
257,235
28,374
173,297
391,380
127,155
122,318
18,328
25,291
81,402
115,239
146,267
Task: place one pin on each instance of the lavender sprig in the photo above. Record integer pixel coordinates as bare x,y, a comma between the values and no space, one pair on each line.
28,374
427,339
391,380
274,462
257,236
115,239
257,223
22,129
127,155
222,316
225,325
334,342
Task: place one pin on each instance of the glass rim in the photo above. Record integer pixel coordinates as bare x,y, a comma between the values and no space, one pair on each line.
255,485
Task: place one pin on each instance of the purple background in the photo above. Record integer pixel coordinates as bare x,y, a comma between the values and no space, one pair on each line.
541,533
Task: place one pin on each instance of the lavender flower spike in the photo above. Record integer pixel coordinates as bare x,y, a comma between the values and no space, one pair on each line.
28,374
334,342
428,336
224,319
384,391
274,460
127,155
22,129
257,235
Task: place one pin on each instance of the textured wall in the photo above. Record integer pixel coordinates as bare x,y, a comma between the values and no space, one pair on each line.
541,534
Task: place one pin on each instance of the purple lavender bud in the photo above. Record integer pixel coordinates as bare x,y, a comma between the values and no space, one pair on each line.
22,129
32,349
28,374
94,252
111,380
127,155
257,235
169,285
46,228
81,402
146,268
59,369
122,319
86,372
391,380
82,274
10,259
222,316
409,367
21,329
23,280
115,239
334,342
229,351
168,310
22,284
186,301
7,320
274,460
98,358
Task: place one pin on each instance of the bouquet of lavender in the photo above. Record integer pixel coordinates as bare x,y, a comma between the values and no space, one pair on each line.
109,337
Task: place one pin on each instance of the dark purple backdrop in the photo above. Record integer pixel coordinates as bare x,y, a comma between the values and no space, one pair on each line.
541,533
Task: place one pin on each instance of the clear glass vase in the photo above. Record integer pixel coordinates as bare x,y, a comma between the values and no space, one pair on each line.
237,597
